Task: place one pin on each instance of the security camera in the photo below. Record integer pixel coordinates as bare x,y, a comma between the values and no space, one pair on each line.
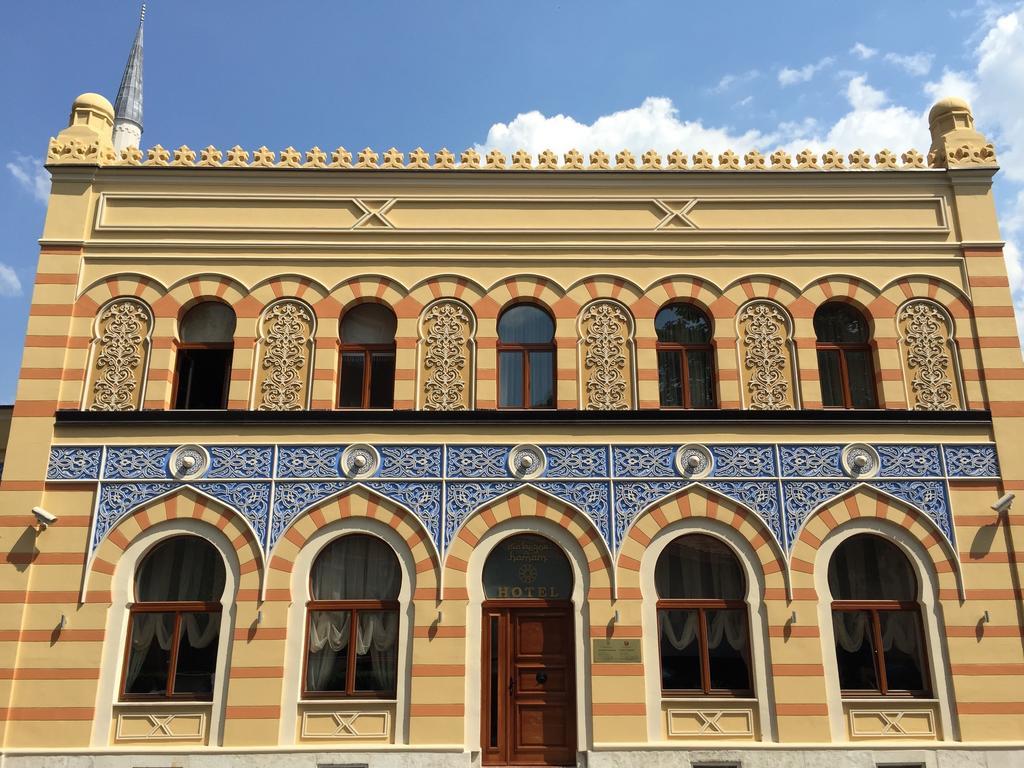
43,517
1002,506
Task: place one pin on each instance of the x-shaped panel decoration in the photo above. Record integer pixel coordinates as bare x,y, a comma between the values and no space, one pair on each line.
675,214
374,214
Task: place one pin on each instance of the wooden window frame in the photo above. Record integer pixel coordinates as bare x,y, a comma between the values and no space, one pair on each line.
354,607
683,365
368,351
873,608
185,347
524,351
702,606
177,608
844,371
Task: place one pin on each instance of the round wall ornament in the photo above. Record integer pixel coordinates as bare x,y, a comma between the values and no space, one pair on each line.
359,461
694,461
527,461
188,462
860,460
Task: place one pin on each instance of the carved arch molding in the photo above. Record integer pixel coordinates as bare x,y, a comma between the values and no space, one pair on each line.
929,356
120,356
766,356
284,361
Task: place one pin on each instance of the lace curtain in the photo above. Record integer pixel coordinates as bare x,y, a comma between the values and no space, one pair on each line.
680,628
199,630
853,630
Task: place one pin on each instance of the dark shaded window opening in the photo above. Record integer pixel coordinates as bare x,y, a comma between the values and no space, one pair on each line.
367,377
686,362
845,358
526,358
205,351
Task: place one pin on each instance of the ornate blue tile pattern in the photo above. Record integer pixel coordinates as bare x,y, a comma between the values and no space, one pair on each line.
74,463
444,485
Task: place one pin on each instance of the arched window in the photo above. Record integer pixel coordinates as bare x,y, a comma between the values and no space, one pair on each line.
174,623
844,357
526,358
702,619
686,366
368,357
352,633
877,622
204,356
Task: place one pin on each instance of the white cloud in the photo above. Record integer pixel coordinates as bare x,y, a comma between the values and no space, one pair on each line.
729,80
789,76
31,175
10,285
918,64
952,84
863,52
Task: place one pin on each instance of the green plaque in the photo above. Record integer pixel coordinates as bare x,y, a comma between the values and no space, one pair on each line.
616,651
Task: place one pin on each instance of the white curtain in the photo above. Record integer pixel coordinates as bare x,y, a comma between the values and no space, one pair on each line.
198,629
354,567
681,628
853,628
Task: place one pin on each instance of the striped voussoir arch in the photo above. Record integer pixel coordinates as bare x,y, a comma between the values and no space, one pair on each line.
851,289
287,286
181,504
356,502
447,287
528,501
697,501
863,502
186,293
125,285
595,287
752,287
378,288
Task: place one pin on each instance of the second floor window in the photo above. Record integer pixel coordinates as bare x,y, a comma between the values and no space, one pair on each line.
844,357
367,357
174,624
526,358
203,369
686,367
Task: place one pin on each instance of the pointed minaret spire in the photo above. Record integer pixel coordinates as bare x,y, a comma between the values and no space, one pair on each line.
128,106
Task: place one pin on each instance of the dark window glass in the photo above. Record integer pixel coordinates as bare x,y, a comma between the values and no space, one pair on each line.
704,636
367,357
877,623
526,358
352,630
686,372
174,625
845,366
203,366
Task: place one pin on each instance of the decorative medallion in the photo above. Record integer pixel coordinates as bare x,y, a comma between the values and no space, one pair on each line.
526,461
187,462
287,328
122,332
359,461
764,331
446,330
860,461
604,329
927,339
694,461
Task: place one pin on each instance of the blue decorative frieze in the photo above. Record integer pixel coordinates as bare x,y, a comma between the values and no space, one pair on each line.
473,461
465,498
971,460
240,461
442,485
576,460
644,461
308,461
74,463
909,461
137,463
743,461
634,496
410,461
811,460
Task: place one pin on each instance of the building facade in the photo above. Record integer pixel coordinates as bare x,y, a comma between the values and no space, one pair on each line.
541,460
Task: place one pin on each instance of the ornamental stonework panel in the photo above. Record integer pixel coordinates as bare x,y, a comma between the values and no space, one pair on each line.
606,357
120,356
766,357
929,357
285,357
446,357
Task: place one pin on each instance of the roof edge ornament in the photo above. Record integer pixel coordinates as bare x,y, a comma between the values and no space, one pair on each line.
956,143
128,104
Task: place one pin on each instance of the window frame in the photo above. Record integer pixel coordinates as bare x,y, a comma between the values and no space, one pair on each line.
683,365
842,348
873,608
177,607
524,351
702,606
368,351
180,347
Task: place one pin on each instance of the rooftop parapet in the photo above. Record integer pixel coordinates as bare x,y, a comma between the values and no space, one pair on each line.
87,141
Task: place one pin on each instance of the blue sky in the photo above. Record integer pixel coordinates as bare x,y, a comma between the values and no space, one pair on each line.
526,74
